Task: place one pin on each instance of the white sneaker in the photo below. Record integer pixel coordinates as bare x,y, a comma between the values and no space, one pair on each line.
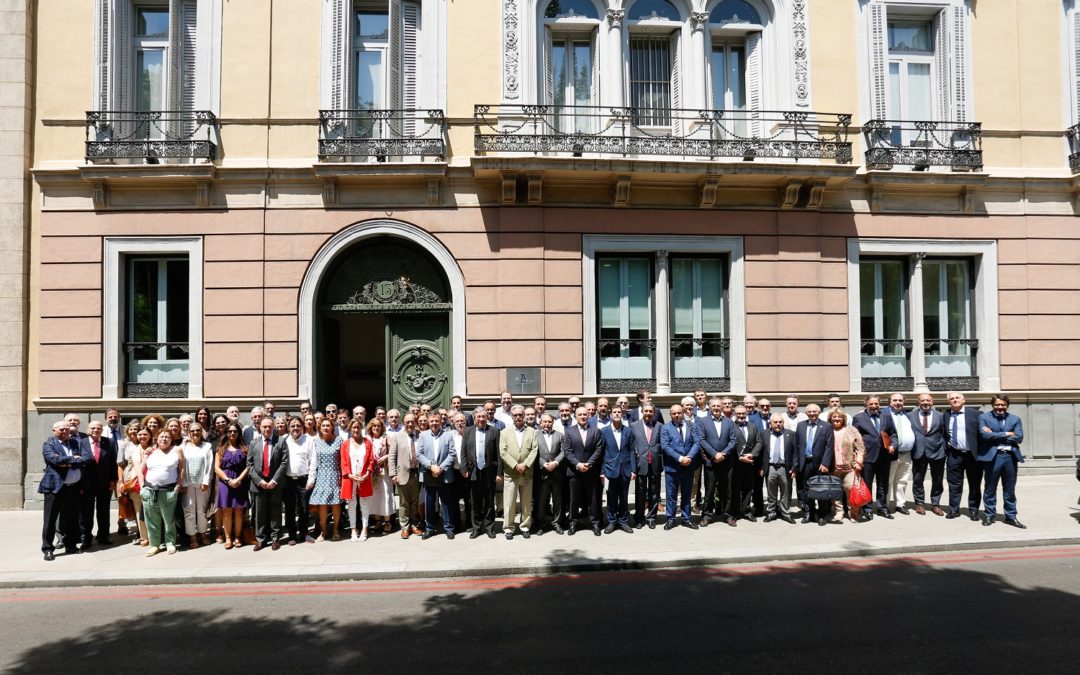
355,537
151,553
363,536
171,549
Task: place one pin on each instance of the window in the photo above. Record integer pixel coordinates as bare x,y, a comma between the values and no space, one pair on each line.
734,11
651,77
911,59
625,311
668,313
570,8
653,9
698,338
914,322
571,69
151,58
371,36
156,341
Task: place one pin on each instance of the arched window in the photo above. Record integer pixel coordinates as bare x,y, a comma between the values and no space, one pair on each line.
571,73
734,11
653,9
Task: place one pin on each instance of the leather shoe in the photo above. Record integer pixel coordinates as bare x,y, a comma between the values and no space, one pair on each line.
258,546
526,534
731,523
596,531
669,525
1015,523
275,546
937,511
558,530
474,534
651,524
610,528
417,530
72,550
49,557
509,536
626,528
751,518
491,534
449,535
404,533
771,517
788,519
987,520
572,530
884,513
805,520
427,535
974,514
822,522
693,526
706,521
903,510
920,509
952,514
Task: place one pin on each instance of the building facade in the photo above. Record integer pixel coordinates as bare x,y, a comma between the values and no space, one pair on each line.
396,200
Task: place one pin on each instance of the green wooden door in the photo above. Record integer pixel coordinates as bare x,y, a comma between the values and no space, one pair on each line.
418,360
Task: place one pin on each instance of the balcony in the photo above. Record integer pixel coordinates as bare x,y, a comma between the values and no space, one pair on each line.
632,133
923,144
1073,134
151,137
400,135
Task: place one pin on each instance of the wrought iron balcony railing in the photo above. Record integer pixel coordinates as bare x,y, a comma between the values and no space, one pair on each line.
710,134
922,144
382,135
152,137
1073,134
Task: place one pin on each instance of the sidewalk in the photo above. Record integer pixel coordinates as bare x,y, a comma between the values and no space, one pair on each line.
1047,505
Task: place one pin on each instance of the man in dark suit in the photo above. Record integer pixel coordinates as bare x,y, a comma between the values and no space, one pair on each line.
479,468
680,444
644,397
717,437
928,426
875,427
583,449
620,468
549,478
1000,436
61,485
779,466
961,444
814,455
98,484
267,463
650,467
748,456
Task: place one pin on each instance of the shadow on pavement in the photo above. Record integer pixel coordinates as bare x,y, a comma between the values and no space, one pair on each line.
892,615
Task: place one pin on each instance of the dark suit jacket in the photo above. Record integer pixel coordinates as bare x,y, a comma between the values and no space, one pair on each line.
647,446
590,453
971,432
675,447
712,443
634,414
249,433
490,450
821,454
620,460
549,453
57,464
871,438
103,472
752,446
929,445
791,462
279,463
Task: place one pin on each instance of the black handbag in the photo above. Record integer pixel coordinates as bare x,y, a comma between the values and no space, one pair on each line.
824,487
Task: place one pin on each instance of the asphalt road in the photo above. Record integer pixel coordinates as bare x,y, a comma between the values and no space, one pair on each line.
1015,611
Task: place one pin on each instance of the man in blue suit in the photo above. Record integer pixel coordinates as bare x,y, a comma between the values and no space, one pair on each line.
621,465
814,455
961,442
717,437
435,452
680,445
875,427
929,452
1000,436
61,486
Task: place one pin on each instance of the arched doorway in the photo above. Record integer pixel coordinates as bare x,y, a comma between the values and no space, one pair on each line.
382,326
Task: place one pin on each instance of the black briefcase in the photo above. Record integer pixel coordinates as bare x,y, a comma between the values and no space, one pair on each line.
823,487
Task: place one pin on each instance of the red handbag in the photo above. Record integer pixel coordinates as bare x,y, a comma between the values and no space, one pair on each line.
860,494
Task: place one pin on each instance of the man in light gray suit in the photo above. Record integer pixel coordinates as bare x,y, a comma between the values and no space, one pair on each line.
929,451
436,458
267,463
549,477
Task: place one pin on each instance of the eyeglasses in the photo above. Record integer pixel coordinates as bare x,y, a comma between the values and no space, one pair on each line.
233,431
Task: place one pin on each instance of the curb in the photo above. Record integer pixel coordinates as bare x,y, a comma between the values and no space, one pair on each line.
535,568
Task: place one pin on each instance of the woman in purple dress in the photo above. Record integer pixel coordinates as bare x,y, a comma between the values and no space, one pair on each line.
230,465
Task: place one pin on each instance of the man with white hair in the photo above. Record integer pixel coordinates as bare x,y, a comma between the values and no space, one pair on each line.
60,485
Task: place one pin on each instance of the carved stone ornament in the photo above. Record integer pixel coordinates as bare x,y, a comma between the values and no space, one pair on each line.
393,292
615,17
511,79
698,20
799,52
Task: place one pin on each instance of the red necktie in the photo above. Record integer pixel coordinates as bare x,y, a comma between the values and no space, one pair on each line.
648,439
266,458
97,452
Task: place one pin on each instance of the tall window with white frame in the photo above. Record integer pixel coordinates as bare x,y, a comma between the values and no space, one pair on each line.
654,60
151,45
699,346
735,27
948,326
626,346
883,287
571,73
911,82
156,332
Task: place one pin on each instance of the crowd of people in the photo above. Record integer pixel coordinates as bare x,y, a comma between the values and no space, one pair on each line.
456,471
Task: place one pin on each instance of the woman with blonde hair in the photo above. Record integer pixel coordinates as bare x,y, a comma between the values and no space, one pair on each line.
199,455
848,453
130,467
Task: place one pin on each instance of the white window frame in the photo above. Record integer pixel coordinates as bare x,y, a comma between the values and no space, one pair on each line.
1070,40
984,264
697,358
382,47
902,59
150,44
162,310
114,288
663,246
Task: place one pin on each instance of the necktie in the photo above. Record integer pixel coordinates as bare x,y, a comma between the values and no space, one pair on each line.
745,433
648,434
97,452
874,419
810,429
412,452
266,458
777,451
480,454
926,421
681,437
955,430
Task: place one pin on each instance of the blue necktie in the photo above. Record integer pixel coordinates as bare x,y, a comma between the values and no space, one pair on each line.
480,451
955,428
874,419
810,440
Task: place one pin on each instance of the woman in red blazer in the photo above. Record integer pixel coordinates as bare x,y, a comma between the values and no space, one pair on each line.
357,465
